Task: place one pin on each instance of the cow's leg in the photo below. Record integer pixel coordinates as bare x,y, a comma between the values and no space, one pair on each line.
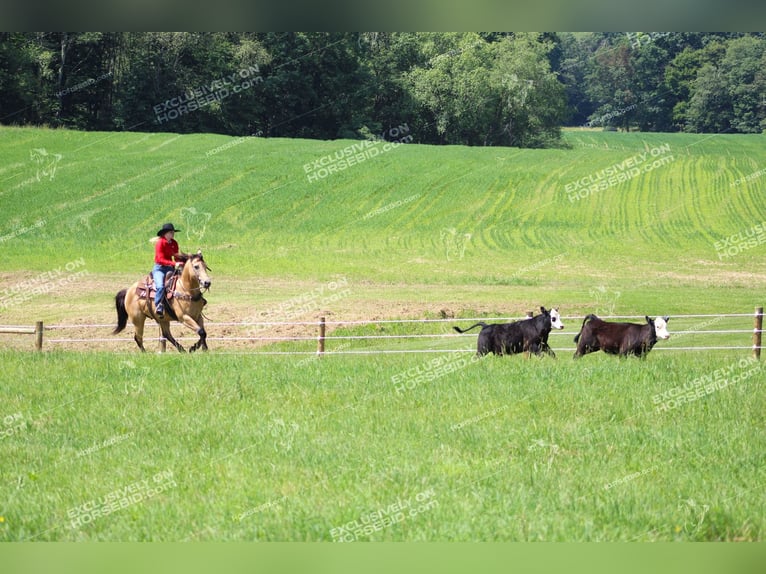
484,344
540,348
579,350
528,347
582,349
498,342
545,347
644,351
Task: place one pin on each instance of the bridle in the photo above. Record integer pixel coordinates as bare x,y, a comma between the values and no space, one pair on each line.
199,289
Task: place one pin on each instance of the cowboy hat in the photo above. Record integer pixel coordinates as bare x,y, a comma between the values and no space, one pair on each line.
165,228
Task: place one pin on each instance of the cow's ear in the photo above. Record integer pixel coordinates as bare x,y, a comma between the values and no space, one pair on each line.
648,320
666,319
542,310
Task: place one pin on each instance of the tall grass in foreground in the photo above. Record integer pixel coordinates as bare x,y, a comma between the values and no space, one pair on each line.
236,447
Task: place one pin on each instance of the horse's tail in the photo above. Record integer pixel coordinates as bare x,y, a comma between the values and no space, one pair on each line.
459,330
122,313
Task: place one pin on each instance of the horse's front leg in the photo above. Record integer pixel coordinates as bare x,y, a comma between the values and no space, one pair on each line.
202,343
198,327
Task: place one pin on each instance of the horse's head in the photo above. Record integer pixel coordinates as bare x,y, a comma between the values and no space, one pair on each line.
196,267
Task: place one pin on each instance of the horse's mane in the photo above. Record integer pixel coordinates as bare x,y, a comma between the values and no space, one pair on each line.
184,257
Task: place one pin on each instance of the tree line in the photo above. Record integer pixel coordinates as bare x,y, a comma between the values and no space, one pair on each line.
510,89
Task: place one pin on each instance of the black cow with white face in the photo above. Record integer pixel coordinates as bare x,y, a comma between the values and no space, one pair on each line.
525,336
620,338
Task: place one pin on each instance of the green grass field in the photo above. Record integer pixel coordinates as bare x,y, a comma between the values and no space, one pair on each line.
246,448
102,443
452,218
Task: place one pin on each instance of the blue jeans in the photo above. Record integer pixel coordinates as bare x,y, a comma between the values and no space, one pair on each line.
158,274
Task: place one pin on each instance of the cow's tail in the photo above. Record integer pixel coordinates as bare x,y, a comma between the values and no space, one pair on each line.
459,330
122,313
587,318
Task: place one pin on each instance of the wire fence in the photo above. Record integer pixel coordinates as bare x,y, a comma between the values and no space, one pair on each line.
695,332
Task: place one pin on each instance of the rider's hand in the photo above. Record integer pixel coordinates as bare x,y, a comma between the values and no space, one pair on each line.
179,264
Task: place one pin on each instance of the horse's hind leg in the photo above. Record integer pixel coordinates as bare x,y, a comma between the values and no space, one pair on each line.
138,326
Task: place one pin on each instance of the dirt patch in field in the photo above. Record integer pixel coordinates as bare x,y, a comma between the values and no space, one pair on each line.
79,313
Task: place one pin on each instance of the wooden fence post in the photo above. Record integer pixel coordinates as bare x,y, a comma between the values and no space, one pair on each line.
320,340
758,327
39,336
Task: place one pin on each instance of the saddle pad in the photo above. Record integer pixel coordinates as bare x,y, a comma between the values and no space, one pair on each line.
146,289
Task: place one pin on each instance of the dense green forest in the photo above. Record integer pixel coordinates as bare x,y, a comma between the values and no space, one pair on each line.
514,89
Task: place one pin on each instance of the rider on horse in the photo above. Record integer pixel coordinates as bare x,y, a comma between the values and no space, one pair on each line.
165,251
135,303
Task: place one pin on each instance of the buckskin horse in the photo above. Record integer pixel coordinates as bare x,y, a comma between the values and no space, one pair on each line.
185,304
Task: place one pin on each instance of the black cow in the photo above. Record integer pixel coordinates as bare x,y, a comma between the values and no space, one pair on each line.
527,335
620,338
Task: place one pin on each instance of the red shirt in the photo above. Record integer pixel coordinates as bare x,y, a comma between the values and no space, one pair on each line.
164,251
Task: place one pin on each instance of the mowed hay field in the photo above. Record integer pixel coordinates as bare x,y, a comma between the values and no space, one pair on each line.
99,442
